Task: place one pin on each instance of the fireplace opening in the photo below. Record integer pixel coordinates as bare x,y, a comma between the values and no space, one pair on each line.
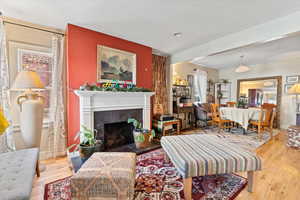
117,134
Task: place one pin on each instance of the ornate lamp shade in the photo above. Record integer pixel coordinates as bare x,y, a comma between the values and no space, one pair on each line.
28,80
295,89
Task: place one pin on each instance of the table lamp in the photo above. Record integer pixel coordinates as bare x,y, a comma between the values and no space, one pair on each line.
295,90
31,107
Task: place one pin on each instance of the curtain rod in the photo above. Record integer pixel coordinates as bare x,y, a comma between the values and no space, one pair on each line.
27,26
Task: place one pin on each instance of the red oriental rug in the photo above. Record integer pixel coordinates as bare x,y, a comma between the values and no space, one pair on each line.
157,179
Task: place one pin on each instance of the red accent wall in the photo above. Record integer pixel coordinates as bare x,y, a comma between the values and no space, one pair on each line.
82,65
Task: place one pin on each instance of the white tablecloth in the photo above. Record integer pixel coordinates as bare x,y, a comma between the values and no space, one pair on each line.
239,115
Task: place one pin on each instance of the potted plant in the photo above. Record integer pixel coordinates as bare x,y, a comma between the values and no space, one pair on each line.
142,137
242,102
88,143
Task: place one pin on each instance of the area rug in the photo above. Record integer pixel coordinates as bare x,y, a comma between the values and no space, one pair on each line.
157,179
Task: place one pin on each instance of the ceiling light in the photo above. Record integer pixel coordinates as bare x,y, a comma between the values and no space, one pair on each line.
242,67
177,34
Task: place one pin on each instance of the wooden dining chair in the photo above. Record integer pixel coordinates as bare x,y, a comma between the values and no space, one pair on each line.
231,104
217,120
265,121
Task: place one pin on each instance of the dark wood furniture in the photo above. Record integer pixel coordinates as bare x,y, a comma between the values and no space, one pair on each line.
188,120
164,124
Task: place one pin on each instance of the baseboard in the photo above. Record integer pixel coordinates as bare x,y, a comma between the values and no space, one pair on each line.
44,155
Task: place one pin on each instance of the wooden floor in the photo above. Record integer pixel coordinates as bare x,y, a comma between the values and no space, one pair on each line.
279,179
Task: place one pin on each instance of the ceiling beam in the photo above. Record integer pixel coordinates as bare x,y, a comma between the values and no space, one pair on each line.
264,32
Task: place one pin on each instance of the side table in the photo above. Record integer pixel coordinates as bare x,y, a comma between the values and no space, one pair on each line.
161,125
293,136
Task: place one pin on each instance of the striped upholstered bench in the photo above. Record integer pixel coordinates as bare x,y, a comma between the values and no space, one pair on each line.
200,155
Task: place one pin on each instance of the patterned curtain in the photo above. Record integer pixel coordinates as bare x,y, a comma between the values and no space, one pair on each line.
4,84
57,97
159,67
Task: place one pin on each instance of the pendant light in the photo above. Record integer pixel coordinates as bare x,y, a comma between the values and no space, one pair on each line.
242,67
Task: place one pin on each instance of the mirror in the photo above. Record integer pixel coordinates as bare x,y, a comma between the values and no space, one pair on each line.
257,91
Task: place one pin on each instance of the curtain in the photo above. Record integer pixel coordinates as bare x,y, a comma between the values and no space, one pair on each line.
57,97
159,67
4,85
200,86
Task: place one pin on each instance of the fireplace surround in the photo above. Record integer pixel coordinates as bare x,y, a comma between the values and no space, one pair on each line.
98,108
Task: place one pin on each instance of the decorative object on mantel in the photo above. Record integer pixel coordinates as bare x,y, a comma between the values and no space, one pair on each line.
142,137
242,67
295,90
115,64
88,143
114,86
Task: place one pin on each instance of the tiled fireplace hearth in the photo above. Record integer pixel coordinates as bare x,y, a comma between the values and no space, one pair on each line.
102,110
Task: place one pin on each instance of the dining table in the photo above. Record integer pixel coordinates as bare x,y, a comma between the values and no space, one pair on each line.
241,116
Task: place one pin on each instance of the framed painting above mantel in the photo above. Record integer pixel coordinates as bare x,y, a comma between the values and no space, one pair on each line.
115,65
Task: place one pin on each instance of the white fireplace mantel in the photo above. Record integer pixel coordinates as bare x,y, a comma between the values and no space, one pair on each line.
93,101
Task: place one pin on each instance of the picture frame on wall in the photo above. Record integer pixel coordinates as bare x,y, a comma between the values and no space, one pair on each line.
115,65
287,87
293,79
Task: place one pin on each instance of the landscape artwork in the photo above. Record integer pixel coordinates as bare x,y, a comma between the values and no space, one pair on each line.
115,65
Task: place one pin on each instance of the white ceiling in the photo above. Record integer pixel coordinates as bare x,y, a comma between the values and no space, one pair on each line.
280,49
152,22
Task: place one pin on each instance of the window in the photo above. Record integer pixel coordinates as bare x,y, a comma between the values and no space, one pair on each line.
200,86
41,62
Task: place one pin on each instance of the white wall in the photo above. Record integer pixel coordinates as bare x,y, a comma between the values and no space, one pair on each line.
185,68
276,67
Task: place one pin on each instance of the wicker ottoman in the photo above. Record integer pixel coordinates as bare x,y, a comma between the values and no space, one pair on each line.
107,175
293,136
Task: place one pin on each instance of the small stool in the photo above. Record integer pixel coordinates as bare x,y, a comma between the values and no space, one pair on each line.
105,175
293,136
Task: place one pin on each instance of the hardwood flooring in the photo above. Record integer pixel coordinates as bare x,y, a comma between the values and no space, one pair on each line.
279,179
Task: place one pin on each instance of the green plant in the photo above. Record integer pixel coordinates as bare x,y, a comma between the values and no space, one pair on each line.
242,102
138,129
219,95
86,138
137,125
225,81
